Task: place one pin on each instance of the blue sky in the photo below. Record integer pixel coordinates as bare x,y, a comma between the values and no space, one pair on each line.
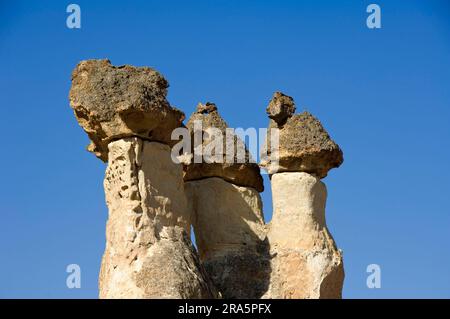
383,95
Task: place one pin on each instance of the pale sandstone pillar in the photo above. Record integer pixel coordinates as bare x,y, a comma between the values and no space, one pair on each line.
129,121
148,249
227,218
306,263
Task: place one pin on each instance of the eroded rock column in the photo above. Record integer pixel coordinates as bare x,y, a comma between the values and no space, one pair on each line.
129,121
227,215
306,262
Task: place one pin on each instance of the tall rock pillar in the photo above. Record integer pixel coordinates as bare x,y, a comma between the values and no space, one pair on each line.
148,251
227,212
306,262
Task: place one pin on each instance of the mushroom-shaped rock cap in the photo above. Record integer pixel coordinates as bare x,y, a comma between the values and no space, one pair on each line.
241,172
304,146
112,102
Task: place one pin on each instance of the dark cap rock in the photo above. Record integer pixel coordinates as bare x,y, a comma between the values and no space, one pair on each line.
241,174
304,146
112,102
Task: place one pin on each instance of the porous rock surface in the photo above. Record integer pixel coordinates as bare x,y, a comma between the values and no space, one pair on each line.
280,108
227,212
148,250
153,202
112,102
242,174
304,145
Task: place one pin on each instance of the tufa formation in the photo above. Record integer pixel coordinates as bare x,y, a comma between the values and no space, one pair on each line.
112,102
153,201
307,263
243,174
227,214
148,251
304,145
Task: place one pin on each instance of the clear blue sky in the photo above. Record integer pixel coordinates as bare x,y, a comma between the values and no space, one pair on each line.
384,96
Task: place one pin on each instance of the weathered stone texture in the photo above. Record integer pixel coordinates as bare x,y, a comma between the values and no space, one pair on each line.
227,213
148,250
238,173
304,145
230,235
280,108
153,201
112,102
307,263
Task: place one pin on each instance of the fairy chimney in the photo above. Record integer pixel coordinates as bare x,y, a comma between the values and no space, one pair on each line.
307,263
129,121
154,200
227,209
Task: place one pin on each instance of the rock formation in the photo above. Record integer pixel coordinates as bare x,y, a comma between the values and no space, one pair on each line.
111,103
304,145
307,263
239,172
228,219
153,201
148,250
